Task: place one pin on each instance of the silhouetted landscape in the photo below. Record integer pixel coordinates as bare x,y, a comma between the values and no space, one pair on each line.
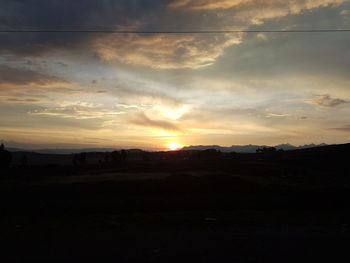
134,205
173,131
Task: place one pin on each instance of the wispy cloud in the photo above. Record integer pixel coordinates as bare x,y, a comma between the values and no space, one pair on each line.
81,111
165,51
141,119
206,4
289,6
326,101
15,100
345,128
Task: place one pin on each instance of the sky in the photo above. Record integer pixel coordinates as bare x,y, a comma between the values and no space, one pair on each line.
150,91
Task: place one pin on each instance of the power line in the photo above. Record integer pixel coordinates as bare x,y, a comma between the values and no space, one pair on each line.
176,32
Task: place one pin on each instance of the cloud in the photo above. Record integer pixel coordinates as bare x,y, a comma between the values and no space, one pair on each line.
196,51
303,118
344,12
253,11
164,51
206,4
141,90
44,14
155,51
326,101
26,85
24,76
292,6
29,86
345,128
256,86
277,115
15,100
141,119
81,111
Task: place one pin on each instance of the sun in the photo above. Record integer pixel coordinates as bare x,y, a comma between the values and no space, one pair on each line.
174,146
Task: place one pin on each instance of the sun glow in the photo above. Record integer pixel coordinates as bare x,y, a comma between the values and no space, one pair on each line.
174,146
171,113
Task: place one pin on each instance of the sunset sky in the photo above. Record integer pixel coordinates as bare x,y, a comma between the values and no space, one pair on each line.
153,90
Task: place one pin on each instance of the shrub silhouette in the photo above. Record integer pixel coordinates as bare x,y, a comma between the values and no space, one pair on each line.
208,153
107,157
116,157
266,150
24,161
79,158
123,155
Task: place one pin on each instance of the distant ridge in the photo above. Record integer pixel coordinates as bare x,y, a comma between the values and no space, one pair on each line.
62,151
251,148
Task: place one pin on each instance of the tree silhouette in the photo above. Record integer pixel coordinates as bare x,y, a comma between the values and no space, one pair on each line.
116,156
123,155
5,158
79,158
107,157
82,158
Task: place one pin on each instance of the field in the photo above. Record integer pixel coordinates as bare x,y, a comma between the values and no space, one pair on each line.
171,207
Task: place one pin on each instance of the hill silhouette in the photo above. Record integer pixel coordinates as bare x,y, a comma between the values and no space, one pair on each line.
251,148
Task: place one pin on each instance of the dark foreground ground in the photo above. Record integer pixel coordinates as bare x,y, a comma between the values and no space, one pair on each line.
280,207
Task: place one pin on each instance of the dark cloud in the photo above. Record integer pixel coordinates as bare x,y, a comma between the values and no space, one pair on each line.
303,118
345,128
23,76
327,101
66,14
141,119
23,100
166,52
